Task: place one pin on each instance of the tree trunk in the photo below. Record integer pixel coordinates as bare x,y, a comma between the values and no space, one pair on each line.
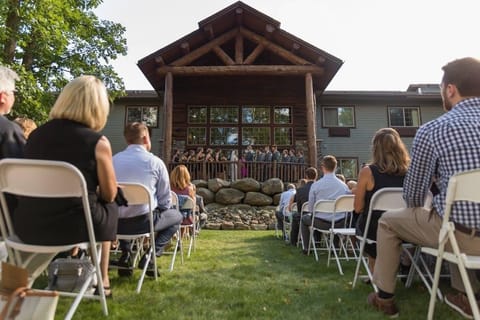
12,24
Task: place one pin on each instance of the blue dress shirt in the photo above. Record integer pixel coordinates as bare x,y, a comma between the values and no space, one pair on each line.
136,164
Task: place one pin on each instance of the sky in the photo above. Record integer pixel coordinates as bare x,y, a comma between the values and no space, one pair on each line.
384,44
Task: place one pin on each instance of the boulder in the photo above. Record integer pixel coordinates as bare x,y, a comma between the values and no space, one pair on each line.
229,196
272,186
208,196
216,184
257,199
246,185
276,199
200,183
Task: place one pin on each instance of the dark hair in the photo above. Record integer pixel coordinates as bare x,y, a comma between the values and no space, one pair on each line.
465,75
311,173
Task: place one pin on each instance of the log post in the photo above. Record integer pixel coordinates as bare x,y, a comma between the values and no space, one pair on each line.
310,106
168,107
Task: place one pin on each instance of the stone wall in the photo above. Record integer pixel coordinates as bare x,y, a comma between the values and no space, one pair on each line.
244,204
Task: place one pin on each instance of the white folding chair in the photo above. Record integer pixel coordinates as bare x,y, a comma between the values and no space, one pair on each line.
188,231
388,199
341,205
300,237
287,220
47,179
138,194
177,238
384,199
277,231
461,187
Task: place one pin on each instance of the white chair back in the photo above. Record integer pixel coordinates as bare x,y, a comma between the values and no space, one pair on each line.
138,194
46,179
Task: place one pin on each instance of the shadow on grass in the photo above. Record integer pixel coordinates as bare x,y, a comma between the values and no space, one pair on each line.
250,275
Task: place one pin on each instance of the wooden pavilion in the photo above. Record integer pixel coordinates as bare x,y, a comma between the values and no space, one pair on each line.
239,80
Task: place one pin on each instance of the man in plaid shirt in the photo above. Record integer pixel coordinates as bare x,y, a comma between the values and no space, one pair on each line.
441,148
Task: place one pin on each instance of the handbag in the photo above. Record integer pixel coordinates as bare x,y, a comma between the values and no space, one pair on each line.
69,275
19,302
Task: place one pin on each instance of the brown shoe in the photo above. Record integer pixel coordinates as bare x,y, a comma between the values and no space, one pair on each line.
459,302
387,306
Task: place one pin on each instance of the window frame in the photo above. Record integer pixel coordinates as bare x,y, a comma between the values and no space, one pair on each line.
419,118
340,167
142,107
325,107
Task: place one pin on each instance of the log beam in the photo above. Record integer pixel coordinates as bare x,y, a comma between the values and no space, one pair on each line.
234,70
168,107
197,53
310,108
254,55
273,47
223,56
239,48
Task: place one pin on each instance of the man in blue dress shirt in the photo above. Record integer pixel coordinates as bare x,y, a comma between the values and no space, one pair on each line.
136,164
329,187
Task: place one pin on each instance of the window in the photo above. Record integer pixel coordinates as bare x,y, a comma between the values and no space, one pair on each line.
197,115
147,115
256,115
404,116
197,136
338,116
256,136
224,115
283,136
348,167
282,115
223,136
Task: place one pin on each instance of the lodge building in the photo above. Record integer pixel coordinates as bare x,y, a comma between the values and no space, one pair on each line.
240,80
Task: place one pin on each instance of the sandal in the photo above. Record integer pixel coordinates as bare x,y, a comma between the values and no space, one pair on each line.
107,290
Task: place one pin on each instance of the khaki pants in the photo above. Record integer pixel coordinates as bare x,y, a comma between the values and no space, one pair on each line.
418,226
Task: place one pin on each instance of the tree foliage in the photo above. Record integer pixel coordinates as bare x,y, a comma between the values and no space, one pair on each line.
49,42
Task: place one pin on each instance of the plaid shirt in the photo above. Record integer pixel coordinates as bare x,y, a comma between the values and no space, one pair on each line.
442,148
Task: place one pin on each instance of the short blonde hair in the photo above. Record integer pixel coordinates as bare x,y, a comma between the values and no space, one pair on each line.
84,100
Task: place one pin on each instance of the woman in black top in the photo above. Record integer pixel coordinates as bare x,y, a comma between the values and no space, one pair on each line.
390,160
72,135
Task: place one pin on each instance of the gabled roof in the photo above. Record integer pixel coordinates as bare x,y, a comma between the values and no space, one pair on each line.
240,41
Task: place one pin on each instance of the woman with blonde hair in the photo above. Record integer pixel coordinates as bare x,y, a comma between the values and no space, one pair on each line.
73,135
389,164
180,181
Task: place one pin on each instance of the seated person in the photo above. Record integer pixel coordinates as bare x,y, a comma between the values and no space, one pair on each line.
73,135
387,169
137,164
180,183
301,197
283,208
329,187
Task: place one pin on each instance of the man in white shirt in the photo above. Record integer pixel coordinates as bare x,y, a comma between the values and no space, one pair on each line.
137,164
329,187
283,207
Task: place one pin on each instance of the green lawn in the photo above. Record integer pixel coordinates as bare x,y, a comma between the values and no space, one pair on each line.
249,275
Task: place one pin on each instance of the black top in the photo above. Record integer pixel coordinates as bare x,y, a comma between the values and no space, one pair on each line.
60,221
12,139
302,195
382,180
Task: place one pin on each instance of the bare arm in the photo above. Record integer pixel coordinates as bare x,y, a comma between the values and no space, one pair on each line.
106,174
365,183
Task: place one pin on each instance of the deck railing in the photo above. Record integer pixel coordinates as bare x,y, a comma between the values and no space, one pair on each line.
233,170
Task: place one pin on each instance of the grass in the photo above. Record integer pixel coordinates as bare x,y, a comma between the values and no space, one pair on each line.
249,275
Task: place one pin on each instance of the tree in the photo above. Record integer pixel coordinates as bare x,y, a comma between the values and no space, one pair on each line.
49,42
